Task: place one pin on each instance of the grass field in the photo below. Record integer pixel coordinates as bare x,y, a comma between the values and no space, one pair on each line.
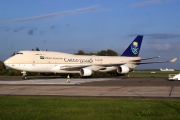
66,108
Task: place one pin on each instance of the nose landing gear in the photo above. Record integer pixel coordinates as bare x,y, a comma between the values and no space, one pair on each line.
24,76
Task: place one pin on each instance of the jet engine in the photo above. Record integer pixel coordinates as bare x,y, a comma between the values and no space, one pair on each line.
123,69
85,72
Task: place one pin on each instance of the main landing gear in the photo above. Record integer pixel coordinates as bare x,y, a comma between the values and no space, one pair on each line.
24,76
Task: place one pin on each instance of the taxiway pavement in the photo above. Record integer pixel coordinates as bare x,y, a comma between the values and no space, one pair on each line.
93,87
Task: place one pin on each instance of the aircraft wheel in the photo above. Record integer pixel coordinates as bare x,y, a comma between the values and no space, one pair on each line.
24,77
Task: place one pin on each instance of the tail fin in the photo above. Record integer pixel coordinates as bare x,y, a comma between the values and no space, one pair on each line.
134,47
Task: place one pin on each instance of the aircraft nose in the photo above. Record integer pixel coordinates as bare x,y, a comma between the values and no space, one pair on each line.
7,62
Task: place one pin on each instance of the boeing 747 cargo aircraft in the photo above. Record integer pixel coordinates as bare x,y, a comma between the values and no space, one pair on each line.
85,65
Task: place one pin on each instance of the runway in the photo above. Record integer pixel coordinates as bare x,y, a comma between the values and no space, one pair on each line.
46,81
91,87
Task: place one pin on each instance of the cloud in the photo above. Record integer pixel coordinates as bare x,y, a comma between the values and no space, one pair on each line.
57,14
163,36
160,42
162,46
5,28
159,36
31,32
150,2
53,27
159,46
18,29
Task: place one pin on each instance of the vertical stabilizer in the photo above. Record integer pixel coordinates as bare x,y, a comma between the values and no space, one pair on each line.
134,48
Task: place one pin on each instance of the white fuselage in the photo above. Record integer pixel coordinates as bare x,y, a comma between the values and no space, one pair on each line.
56,62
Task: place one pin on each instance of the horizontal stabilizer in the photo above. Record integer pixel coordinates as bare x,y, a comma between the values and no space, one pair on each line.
150,58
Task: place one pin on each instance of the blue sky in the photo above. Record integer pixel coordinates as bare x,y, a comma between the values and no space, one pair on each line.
91,26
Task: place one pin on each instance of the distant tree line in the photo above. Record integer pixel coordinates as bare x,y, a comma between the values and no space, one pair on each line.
2,65
100,53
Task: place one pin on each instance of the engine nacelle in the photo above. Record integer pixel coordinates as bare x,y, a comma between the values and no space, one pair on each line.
85,72
123,69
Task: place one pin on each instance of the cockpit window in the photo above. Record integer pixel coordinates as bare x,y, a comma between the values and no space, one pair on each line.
19,53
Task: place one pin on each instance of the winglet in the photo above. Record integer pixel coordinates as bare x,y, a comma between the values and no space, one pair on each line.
174,59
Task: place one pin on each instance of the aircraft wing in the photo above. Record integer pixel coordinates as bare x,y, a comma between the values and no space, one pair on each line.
73,67
144,59
78,67
150,58
93,67
138,63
